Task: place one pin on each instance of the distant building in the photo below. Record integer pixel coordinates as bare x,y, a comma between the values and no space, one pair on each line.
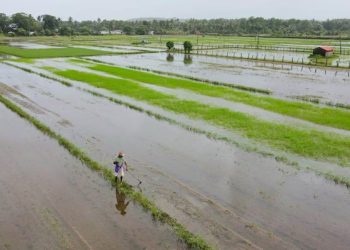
116,32
13,26
151,32
112,32
324,51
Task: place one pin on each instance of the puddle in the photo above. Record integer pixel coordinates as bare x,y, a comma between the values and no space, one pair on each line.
178,168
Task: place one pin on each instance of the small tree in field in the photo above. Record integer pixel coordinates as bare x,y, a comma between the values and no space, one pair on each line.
187,47
170,45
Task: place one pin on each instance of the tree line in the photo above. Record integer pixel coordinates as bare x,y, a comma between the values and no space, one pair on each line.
23,24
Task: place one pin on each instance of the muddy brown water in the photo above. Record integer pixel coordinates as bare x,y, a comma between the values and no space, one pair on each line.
49,200
232,197
283,81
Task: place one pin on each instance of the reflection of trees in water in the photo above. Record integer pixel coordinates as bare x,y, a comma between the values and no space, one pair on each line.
121,205
187,59
170,57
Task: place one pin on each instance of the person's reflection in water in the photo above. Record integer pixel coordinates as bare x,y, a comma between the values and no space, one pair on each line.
121,205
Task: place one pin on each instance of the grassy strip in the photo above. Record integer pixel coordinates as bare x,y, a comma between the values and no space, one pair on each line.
193,241
328,175
49,53
333,117
216,83
309,143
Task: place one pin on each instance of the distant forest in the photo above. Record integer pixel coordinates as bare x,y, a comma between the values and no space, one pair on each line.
22,24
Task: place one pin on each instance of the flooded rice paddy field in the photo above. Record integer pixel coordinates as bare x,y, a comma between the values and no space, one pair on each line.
285,81
275,55
119,49
116,49
49,200
234,198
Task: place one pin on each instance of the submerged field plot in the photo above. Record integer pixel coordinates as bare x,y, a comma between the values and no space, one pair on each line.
284,81
227,156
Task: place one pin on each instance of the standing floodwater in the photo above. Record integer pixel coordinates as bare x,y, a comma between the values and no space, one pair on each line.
328,85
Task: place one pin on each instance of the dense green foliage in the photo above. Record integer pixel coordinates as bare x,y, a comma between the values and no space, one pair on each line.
187,46
170,45
328,116
304,142
48,53
22,24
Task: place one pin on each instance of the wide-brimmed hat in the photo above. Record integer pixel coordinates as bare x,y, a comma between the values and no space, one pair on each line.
121,154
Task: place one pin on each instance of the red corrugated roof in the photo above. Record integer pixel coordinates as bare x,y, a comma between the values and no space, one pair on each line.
327,48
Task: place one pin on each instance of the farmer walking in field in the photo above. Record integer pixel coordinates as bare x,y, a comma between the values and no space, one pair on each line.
120,166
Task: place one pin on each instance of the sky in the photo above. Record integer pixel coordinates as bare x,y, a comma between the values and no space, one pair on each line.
200,9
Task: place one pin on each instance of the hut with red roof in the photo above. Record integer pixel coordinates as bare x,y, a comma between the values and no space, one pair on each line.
325,51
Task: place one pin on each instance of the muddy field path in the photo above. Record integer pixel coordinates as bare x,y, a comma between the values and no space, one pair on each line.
245,200
49,200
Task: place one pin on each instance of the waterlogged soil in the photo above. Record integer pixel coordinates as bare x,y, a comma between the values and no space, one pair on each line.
49,200
29,45
330,85
261,54
233,198
109,49
274,55
139,48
